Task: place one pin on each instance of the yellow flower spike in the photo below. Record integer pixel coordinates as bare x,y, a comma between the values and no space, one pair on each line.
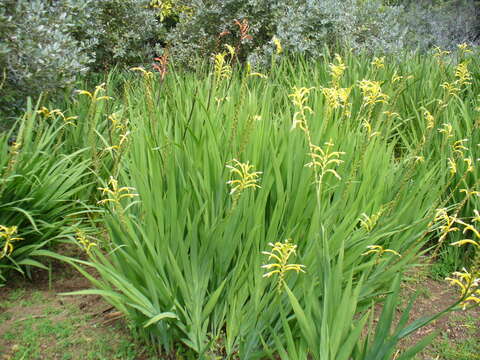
337,69
281,253
430,120
379,250
116,193
325,160
369,222
469,227
52,114
222,70
299,98
337,97
366,125
243,177
231,50
444,223
469,193
391,114
418,159
94,97
450,88
396,77
372,92
463,74
468,285
464,48
262,76
7,236
278,45
440,53
447,130
469,163
452,165
145,73
458,146
82,239
378,63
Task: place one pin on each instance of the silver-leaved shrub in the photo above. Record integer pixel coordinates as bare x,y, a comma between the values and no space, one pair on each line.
307,26
46,45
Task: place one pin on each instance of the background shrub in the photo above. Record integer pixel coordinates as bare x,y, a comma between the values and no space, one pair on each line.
37,52
308,26
46,45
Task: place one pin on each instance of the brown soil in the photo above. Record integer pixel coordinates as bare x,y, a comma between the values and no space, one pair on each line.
434,297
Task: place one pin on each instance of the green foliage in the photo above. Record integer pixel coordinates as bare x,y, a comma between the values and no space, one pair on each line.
204,176
184,261
40,192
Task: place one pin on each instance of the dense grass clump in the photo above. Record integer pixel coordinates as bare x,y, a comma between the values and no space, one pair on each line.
261,215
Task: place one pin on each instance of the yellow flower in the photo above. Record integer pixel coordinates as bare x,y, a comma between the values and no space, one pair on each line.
379,250
336,97
378,62
7,236
372,92
468,285
463,74
145,73
82,238
231,50
396,77
469,163
244,177
299,98
447,130
337,69
222,70
52,114
464,47
366,125
439,54
369,222
466,241
469,193
278,45
325,160
281,253
452,165
450,88
445,223
391,114
94,96
458,146
116,193
429,119
419,159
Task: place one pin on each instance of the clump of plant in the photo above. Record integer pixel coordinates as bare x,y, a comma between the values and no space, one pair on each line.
41,193
348,158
